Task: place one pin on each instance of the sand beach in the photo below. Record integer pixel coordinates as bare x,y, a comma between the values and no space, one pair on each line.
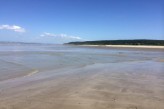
72,77
127,46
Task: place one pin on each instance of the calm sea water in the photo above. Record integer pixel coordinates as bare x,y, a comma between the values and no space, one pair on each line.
20,60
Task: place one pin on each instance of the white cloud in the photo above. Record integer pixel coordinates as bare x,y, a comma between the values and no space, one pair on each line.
62,36
12,27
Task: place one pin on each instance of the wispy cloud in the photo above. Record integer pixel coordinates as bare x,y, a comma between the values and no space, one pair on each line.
12,27
61,36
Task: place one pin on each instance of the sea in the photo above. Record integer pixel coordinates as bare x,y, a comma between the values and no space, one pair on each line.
18,60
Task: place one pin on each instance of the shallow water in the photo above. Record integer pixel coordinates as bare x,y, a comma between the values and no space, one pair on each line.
23,59
73,77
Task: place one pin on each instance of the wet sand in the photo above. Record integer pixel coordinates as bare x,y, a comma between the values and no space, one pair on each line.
134,81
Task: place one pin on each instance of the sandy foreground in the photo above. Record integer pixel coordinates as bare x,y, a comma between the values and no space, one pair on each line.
124,85
127,46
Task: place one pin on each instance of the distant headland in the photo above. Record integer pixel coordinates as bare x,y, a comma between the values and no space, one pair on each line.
121,42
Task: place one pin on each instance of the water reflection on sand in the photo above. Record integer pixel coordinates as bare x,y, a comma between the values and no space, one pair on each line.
70,77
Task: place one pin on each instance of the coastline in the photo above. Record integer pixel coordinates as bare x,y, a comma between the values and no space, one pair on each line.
76,77
126,46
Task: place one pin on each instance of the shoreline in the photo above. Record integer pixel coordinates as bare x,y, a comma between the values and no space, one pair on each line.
126,46
76,77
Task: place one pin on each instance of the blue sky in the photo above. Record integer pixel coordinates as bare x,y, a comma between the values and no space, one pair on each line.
60,21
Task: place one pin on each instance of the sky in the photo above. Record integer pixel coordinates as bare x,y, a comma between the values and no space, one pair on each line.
61,21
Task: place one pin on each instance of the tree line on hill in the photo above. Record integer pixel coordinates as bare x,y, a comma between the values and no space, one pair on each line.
121,42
